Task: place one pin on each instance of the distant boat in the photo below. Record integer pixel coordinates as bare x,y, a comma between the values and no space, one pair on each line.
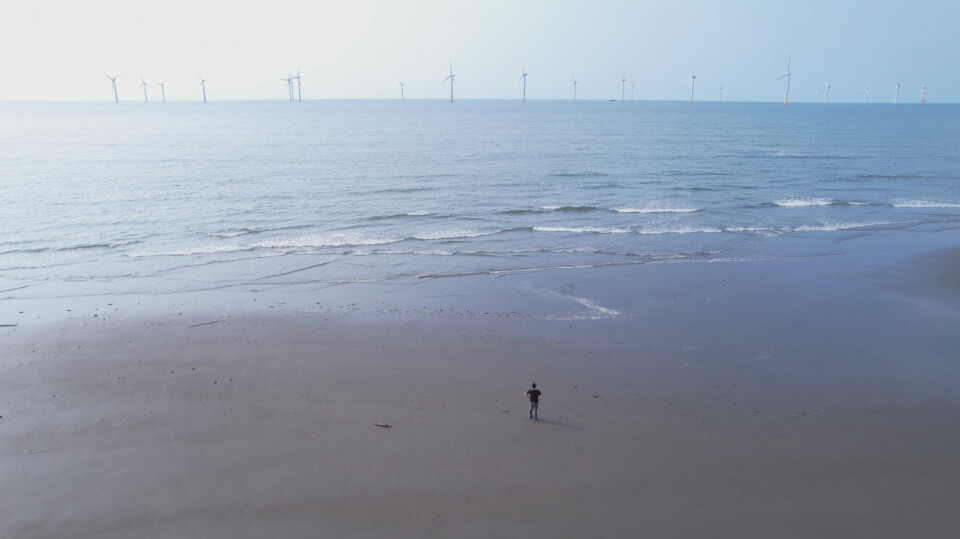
613,100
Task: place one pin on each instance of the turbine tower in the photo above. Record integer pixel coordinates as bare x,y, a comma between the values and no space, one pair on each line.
523,77
787,75
289,81
203,86
826,93
631,92
452,79
721,94
866,92
693,81
574,88
401,90
113,81
299,94
143,84
163,92
896,97
923,94
623,85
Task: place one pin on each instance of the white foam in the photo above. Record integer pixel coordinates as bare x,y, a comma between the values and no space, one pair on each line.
678,229
656,209
834,226
450,234
801,202
920,203
213,249
318,240
593,306
582,230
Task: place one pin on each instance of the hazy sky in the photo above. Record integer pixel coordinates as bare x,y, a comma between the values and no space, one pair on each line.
60,49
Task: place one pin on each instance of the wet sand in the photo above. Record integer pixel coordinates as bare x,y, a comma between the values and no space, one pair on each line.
774,399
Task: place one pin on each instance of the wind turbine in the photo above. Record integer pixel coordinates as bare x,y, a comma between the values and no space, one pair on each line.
787,75
452,79
631,92
826,93
163,92
574,88
923,94
721,94
401,90
623,84
113,81
693,81
203,86
523,77
866,92
896,97
299,94
289,81
143,84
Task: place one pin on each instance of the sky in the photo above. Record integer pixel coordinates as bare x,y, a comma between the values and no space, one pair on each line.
362,49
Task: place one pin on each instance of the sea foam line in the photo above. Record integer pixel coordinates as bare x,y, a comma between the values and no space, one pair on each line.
802,202
920,203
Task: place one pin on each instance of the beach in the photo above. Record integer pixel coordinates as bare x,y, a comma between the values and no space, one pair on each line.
804,396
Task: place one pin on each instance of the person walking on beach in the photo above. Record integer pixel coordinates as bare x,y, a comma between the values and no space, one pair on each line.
534,395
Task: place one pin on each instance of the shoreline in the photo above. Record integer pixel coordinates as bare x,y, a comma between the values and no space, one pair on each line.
793,398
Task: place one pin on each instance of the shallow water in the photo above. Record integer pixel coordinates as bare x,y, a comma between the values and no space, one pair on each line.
158,198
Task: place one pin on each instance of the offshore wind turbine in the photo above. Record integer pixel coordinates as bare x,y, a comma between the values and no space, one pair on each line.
523,76
289,81
203,86
163,92
143,84
452,79
401,90
721,94
896,97
574,88
113,81
923,94
866,92
299,94
623,84
693,81
788,74
631,92
826,93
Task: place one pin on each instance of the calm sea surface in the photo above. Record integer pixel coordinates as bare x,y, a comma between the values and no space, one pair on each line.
157,198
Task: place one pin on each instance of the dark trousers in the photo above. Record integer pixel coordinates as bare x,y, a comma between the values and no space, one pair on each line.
533,409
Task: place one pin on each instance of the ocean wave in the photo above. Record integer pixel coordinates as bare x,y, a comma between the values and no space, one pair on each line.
835,226
569,208
802,202
678,229
656,209
583,230
69,248
580,174
312,241
418,213
234,233
451,234
920,203
788,154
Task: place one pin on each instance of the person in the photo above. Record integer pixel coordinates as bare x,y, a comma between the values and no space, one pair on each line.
534,395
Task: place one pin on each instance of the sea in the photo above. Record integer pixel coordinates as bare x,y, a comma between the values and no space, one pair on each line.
167,198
